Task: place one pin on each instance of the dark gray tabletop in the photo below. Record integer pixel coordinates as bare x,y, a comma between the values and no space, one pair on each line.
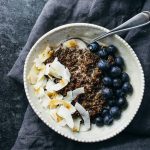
16,20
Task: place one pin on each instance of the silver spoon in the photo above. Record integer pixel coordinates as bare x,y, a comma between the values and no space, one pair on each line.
137,21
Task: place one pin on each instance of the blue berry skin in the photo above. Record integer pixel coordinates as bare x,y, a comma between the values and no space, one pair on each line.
102,53
111,49
103,65
125,77
107,107
107,93
107,81
111,103
105,111
115,71
119,61
122,103
99,121
117,83
127,88
94,47
115,112
119,93
93,121
108,120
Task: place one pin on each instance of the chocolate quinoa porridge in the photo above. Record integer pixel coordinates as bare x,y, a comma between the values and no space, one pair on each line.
82,65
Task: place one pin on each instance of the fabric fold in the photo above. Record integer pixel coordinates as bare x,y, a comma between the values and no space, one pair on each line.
34,134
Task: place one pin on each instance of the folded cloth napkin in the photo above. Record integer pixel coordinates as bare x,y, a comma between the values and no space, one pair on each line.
34,134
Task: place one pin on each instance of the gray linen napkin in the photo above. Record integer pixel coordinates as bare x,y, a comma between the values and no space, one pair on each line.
34,134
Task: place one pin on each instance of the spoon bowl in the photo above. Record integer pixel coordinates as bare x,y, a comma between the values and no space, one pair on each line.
136,21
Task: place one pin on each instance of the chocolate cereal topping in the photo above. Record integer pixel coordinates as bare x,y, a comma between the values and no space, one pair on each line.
82,65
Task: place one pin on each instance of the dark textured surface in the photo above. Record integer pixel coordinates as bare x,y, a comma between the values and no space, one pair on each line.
34,134
16,20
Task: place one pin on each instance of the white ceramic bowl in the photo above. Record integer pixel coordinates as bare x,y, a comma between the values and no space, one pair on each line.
133,68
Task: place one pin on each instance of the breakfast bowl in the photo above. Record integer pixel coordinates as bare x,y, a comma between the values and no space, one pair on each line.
132,67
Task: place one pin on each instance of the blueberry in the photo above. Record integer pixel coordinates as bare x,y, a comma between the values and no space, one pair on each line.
117,83
122,102
108,120
125,77
102,53
94,47
119,93
107,107
111,102
111,49
99,121
93,121
107,81
115,71
105,111
103,65
115,112
107,93
119,61
127,87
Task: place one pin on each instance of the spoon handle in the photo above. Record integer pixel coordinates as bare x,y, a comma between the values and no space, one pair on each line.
137,21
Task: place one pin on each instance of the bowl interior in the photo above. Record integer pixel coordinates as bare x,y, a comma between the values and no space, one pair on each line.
133,68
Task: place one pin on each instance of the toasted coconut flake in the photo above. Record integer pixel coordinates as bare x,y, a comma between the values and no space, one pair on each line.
38,63
71,95
77,123
41,83
54,103
65,113
41,72
39,92
85,116
57,70
54,95
62,123
51,71
45,100
47,53
73,43
53,113
77,91
51,86
33,75
55,116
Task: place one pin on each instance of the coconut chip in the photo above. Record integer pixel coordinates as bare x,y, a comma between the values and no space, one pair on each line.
71,95
85,116
57,70
65,113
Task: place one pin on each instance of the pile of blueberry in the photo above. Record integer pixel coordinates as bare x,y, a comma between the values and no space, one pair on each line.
116,84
